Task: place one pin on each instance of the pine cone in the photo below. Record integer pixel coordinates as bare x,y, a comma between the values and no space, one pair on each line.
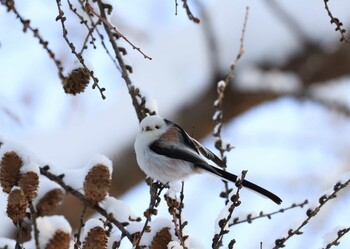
29,182
49,202
60,240
9,170
16,206
96,238
97,183
77,81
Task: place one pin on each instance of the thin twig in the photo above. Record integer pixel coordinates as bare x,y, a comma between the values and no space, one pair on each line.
218,103
90,9
250,217
81,225
33,216
138,100
223,223
337,22
36,33
85,23
175,208
62,18
310,213
336,241
189,12
59,180
155,191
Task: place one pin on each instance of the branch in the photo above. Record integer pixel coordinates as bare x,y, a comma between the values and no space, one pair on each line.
223,223
26,26
310,213
62,18
90,9
337,23
59,180
250,217
155,191
138,100
188,11
336,241
218,105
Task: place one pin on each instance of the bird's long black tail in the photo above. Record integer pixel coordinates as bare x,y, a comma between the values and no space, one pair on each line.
232,177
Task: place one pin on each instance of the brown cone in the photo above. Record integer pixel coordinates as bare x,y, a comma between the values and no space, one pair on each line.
97,183
96,238
60,240
29,182
161,239
77,81
49,202
9,170
16,206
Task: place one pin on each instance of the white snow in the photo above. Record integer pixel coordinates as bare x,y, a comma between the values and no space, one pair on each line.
120,210
90,224
174,245
151,104
221,85
49,225
44,187
100,159
174,189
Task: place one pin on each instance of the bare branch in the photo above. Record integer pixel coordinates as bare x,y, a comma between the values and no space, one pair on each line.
337,22
310,213
90,9
250,217
189,12
218,105
62,18
336,241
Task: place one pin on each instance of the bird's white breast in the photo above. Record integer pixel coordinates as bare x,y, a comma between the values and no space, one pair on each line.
159,167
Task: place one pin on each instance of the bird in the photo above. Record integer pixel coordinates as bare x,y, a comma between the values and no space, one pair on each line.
165,152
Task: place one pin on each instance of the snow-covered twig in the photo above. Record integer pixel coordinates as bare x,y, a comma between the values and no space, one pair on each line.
59,180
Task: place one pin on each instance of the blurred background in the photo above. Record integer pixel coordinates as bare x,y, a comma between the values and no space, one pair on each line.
286,111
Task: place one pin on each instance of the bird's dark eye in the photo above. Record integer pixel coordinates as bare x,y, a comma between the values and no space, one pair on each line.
157,127
148,128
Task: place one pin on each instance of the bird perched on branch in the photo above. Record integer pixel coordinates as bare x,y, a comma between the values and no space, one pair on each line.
165,152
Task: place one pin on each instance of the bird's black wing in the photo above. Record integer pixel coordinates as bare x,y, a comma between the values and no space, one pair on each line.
186,139
176,152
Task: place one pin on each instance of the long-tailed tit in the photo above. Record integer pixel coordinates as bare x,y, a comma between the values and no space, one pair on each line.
165,152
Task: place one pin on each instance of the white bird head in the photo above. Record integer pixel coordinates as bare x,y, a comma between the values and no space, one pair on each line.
152,128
